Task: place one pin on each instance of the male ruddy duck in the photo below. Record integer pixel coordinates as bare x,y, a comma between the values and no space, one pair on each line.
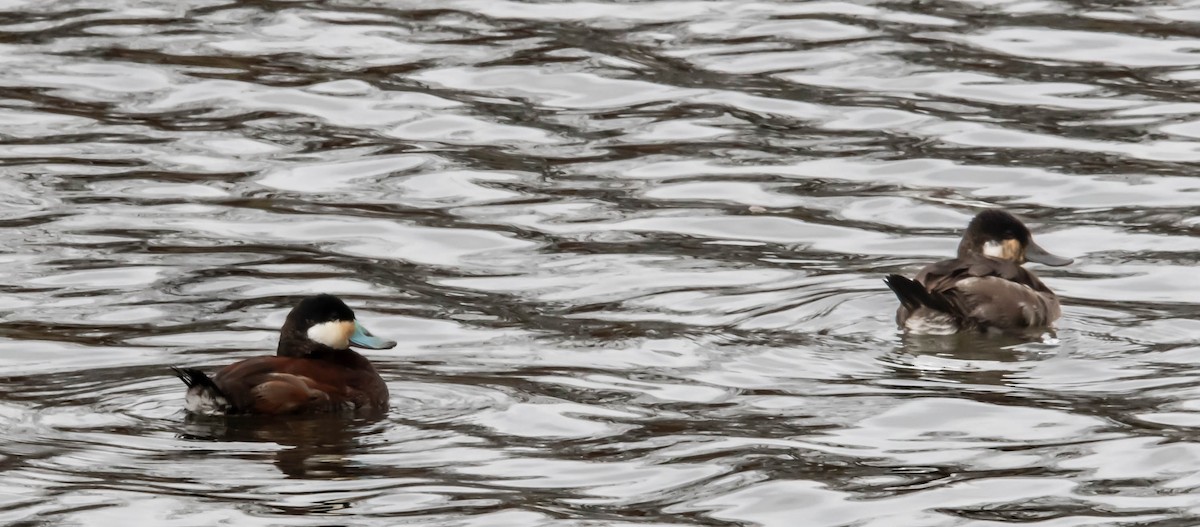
313,370
984,288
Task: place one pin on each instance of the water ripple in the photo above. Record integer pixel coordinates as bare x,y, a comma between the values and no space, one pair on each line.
631,251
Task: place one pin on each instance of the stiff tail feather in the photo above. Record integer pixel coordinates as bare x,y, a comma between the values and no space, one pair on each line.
914,295
203,395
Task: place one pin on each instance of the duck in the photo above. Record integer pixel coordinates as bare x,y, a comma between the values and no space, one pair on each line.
313,371
984,288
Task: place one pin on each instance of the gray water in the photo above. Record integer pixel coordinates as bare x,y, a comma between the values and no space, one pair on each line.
631,250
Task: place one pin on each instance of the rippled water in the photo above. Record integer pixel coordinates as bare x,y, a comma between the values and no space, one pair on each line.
632,251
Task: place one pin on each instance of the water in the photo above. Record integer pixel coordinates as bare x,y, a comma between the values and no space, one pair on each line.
632,252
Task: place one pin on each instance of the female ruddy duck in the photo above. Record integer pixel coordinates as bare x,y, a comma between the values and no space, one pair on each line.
985,287
313,370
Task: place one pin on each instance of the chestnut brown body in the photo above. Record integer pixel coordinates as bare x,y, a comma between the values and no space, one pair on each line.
313,370
324,382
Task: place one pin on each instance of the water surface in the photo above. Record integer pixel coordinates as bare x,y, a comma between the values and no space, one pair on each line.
632,252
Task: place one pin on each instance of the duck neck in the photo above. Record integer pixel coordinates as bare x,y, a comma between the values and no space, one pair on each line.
296,344
969,246
347,357
300,346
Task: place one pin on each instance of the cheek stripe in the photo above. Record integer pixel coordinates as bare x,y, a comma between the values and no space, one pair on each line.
994,249
335,334
1012,251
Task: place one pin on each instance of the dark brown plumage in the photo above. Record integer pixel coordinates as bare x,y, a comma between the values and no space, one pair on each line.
984,287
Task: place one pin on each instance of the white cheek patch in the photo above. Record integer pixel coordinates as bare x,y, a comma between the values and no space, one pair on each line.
994,249
335,333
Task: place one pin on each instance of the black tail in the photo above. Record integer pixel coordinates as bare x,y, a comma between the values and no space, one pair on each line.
914,295
193,378
203,397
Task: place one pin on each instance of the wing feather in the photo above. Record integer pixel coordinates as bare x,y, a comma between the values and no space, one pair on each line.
990,293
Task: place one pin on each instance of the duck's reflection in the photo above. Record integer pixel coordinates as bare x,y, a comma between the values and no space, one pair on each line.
972,345
315,446
965,359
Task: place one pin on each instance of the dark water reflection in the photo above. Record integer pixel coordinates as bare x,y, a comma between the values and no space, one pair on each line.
632,251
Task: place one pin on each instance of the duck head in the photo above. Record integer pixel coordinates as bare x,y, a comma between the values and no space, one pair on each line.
998,234
324,322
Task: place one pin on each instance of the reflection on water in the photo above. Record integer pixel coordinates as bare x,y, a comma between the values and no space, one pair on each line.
632,252
308,447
